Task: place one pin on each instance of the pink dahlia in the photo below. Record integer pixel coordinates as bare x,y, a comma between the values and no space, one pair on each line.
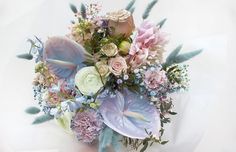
154,79
86,125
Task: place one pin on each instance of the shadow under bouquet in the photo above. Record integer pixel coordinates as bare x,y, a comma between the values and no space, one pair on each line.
106,82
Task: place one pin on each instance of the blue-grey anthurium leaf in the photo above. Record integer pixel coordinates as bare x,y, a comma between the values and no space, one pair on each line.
130,115
64,56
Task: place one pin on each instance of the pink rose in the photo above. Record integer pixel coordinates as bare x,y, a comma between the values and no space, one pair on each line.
121,22
154,78
138,56
117,65
149,35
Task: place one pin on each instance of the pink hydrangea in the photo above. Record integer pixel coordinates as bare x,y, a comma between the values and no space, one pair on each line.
86,125
154,78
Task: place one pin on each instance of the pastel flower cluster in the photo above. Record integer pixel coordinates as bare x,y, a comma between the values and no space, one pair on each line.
107,81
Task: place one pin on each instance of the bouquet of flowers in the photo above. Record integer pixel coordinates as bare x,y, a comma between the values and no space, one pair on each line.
107,82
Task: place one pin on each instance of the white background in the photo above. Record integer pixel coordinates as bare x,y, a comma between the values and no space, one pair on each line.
206,114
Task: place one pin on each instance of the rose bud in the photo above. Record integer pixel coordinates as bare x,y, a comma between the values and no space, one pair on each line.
124,47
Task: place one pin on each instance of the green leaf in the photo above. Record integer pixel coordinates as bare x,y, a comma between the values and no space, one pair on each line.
162,131
171,57
130,5
161,23
83,10
186,56
73,8
149,8
144,147
42,119
164,142
32,110
172,113
26,56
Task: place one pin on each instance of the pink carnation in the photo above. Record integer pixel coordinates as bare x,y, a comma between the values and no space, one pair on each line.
86,125
154,78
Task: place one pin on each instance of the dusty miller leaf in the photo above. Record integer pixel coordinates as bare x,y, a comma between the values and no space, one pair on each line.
32,110
105,139
42,119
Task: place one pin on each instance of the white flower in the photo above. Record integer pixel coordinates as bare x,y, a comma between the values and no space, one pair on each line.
88,80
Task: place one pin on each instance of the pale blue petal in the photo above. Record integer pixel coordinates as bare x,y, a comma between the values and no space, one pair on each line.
113,115
63,49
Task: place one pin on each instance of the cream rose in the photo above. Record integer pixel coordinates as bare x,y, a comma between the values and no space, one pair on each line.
103,68
121,22
109,49
88,80
117,65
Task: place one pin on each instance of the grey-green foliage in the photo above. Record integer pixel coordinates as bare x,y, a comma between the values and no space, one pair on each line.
109,138
161,23
83,10
73,8
32,110
26,56
130,5
173,54
132,10
42,119
175,58
186,56
149,8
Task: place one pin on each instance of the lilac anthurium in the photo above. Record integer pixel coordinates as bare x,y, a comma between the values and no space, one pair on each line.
129,115
63,56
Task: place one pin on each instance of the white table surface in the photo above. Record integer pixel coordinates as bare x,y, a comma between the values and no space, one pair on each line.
206,114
